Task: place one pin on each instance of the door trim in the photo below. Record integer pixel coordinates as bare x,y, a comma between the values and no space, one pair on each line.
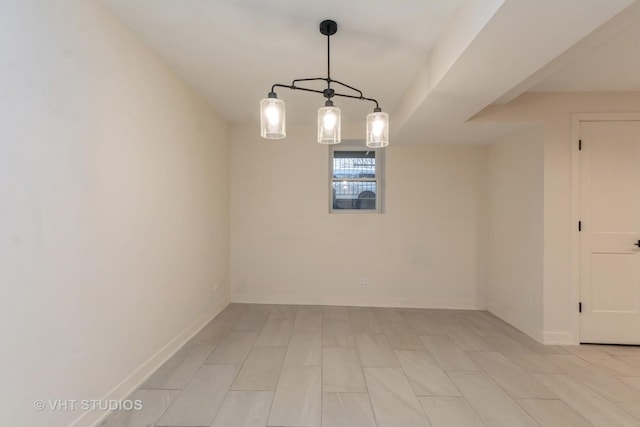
576,119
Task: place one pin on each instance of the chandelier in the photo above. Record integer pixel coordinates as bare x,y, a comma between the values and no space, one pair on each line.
272,112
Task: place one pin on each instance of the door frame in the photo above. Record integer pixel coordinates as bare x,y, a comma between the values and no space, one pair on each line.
576,119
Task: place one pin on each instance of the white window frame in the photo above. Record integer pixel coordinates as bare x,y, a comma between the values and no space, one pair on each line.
359,145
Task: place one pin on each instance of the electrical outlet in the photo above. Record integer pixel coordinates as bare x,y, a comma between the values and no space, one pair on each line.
364,281
528,301
216,286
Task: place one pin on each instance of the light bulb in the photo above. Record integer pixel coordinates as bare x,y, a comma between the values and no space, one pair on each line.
329,121
377,127
273,115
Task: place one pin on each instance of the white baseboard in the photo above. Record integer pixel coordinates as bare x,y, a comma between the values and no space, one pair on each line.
558,338
358,301
144,371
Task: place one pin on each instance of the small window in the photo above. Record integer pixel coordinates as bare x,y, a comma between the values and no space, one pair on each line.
355,179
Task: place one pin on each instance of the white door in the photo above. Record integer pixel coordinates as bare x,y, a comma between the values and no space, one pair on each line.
610,220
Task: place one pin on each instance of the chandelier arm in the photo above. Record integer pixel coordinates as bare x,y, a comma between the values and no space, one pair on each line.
294,87
343,95
348,87
293,83
362,98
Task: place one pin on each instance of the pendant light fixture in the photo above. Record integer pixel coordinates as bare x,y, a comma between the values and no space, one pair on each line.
272,112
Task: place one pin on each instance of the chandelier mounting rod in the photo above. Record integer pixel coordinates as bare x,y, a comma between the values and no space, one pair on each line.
328,27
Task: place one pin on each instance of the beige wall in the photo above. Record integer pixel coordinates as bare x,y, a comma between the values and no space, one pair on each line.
113,212
287,248
554,112
515,182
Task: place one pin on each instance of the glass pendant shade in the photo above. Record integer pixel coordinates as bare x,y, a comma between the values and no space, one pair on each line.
329,125
377,129
272,118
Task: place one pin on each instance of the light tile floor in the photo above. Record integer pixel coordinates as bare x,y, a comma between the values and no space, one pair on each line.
278,365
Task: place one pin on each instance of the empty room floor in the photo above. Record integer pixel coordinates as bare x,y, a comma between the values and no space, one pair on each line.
283,365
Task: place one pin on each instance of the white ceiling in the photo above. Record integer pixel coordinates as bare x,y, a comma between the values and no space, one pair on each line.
431,63
613,65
